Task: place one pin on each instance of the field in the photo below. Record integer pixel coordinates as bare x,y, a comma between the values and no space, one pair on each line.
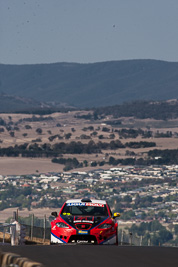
40,213
21,128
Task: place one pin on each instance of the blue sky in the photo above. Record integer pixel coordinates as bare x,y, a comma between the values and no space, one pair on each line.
47,31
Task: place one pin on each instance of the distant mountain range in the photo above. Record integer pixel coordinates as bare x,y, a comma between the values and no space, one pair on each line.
87,85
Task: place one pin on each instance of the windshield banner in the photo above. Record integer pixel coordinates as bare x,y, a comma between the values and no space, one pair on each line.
89,204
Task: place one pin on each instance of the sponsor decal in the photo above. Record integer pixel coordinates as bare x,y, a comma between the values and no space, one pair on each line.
82,241
86,204
94,205
79,219
76,204
82,232
56,239
83,221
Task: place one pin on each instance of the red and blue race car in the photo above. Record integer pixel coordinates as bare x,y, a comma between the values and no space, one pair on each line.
84,221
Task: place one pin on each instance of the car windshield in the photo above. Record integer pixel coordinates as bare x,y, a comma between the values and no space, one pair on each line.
85,209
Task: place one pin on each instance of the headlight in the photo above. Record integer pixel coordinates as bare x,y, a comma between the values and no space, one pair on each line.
105,226
61,225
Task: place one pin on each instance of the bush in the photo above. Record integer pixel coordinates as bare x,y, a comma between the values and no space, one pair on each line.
39,131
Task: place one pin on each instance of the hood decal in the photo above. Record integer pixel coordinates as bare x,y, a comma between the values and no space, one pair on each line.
74,220
83,219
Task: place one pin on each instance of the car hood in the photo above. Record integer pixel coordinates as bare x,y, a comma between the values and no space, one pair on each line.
86,222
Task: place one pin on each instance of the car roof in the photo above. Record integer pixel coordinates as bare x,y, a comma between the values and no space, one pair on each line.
91,201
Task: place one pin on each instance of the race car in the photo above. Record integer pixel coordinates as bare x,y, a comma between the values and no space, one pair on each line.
84,221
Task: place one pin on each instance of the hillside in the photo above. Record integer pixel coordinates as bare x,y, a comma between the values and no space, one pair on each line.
92,85
12,103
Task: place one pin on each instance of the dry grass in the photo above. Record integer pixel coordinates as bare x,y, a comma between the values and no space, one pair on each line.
40,213
20,166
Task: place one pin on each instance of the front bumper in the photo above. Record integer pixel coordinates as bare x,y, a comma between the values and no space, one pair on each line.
92,237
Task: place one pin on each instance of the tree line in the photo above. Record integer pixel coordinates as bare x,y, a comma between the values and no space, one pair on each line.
140,109
155,157
161,110
154,230
48,150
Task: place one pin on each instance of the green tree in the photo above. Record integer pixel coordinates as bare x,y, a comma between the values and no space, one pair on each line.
127,198
155,226
128,215
165,236
68,136
137,199
39,131
176,229
85,162
93,164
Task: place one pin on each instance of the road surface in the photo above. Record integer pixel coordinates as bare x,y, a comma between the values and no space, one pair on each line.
99,256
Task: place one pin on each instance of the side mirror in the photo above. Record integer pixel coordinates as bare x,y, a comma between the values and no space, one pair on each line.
54,213
116,214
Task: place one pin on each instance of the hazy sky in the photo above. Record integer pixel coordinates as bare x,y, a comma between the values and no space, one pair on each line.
47,31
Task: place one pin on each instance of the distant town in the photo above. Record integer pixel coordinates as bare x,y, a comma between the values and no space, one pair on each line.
139,193
142,195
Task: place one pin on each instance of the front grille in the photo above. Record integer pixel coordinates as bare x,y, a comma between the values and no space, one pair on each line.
82,226
83,238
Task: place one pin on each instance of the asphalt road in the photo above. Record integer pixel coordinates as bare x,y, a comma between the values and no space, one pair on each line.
91,255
